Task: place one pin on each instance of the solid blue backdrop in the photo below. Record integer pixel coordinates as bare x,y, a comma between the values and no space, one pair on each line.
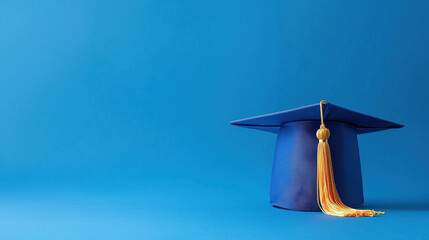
115,115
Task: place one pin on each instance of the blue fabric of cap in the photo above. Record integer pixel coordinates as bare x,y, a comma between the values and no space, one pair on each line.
294,172
272,122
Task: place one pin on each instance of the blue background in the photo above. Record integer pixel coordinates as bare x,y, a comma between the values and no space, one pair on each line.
114,114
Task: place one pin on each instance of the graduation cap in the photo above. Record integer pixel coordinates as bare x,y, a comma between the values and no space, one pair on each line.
304,167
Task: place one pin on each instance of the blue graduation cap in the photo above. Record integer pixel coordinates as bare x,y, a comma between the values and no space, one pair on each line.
294,174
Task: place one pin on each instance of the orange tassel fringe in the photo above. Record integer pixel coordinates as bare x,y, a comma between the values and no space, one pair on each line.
328,199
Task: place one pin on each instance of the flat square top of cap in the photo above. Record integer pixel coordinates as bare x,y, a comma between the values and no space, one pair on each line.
272,122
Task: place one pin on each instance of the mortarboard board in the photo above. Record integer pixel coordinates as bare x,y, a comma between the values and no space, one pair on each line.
296,175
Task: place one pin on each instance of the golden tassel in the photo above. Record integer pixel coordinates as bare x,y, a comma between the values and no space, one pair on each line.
327,196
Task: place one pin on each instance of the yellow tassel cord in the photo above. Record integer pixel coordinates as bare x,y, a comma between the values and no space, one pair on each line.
328,199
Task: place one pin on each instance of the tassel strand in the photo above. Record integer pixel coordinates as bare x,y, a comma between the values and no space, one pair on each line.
328,199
